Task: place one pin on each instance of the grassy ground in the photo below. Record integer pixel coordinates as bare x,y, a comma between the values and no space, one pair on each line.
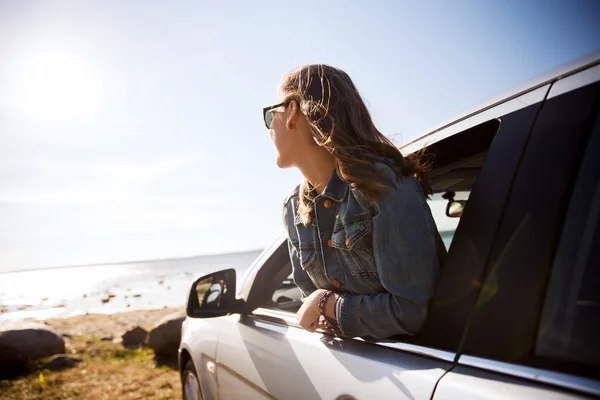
108,370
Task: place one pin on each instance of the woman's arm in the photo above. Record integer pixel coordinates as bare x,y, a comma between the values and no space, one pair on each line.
405,253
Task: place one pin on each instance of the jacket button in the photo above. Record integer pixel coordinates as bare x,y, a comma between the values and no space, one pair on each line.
347,242
329,243
336,283
327,203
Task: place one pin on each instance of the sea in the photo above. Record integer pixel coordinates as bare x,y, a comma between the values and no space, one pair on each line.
111,288
108,288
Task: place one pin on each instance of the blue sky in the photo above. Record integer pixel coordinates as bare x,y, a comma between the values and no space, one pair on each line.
133,130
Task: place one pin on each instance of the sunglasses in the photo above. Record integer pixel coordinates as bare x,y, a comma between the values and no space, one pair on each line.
268,113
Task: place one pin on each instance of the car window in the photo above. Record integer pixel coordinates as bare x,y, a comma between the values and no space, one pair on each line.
280,292
287,296
570,325
446,225
454,165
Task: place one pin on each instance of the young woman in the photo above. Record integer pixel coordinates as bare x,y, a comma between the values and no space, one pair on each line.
362,241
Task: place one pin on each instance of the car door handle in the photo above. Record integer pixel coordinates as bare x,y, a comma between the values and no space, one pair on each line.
210,366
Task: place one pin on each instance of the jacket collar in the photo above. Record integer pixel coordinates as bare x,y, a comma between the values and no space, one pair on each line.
336,188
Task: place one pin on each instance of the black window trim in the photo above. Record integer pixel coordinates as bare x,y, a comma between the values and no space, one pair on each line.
535,368
592,124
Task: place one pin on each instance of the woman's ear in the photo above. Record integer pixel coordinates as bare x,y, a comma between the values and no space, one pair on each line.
293,115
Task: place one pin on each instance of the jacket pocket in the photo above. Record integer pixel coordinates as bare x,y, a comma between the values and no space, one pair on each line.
347,234
353,240
307,256
311,266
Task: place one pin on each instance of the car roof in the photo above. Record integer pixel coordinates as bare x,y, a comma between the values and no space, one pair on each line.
570,68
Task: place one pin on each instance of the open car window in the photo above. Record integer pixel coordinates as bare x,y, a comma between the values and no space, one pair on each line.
287,297
455,163
281,292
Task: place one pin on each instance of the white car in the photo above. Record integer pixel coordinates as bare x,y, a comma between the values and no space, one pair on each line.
516,313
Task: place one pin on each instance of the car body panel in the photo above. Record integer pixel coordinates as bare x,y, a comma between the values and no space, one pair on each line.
269,359
200,338
468,383
527,99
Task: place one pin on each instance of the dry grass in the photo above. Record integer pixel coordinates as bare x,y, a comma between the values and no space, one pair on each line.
108,371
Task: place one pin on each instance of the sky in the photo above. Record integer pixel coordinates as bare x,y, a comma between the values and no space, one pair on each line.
133,130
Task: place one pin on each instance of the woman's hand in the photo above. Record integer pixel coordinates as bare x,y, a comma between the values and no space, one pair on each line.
308,314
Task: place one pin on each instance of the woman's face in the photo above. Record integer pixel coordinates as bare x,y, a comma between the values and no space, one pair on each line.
283,136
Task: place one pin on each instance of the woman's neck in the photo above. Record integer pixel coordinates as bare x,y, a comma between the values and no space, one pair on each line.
317,168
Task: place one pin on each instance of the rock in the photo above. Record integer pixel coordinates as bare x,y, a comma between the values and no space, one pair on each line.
107,339
62,361
135,337
105,300
67,336
164,338
22,342
137,295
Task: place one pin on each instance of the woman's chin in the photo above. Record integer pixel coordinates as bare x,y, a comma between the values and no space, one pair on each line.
282,163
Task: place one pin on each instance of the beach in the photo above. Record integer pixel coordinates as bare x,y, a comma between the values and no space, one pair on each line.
107,369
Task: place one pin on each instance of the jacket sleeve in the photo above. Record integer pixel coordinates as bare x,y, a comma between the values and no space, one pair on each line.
404,247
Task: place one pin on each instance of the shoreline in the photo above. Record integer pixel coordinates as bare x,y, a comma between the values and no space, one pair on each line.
101,325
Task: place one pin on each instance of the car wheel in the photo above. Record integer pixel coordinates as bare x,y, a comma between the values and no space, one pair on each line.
190,383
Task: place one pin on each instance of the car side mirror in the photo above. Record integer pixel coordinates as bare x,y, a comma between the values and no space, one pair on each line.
213,295
454,208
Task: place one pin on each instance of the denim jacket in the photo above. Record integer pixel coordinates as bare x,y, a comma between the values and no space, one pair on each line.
381,257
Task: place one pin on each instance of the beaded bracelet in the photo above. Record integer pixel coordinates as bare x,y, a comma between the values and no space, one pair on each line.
323,300
330,323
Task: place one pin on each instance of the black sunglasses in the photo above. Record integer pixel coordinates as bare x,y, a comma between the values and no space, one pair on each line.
268,115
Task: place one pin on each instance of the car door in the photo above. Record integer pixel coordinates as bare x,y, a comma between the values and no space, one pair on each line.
268,355
535,328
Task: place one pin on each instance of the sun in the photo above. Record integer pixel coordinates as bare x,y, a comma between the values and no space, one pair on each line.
57,85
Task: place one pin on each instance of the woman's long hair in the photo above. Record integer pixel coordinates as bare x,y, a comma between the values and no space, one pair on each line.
341,123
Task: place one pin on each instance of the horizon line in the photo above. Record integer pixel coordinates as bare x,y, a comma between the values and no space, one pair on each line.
147,260
131,261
